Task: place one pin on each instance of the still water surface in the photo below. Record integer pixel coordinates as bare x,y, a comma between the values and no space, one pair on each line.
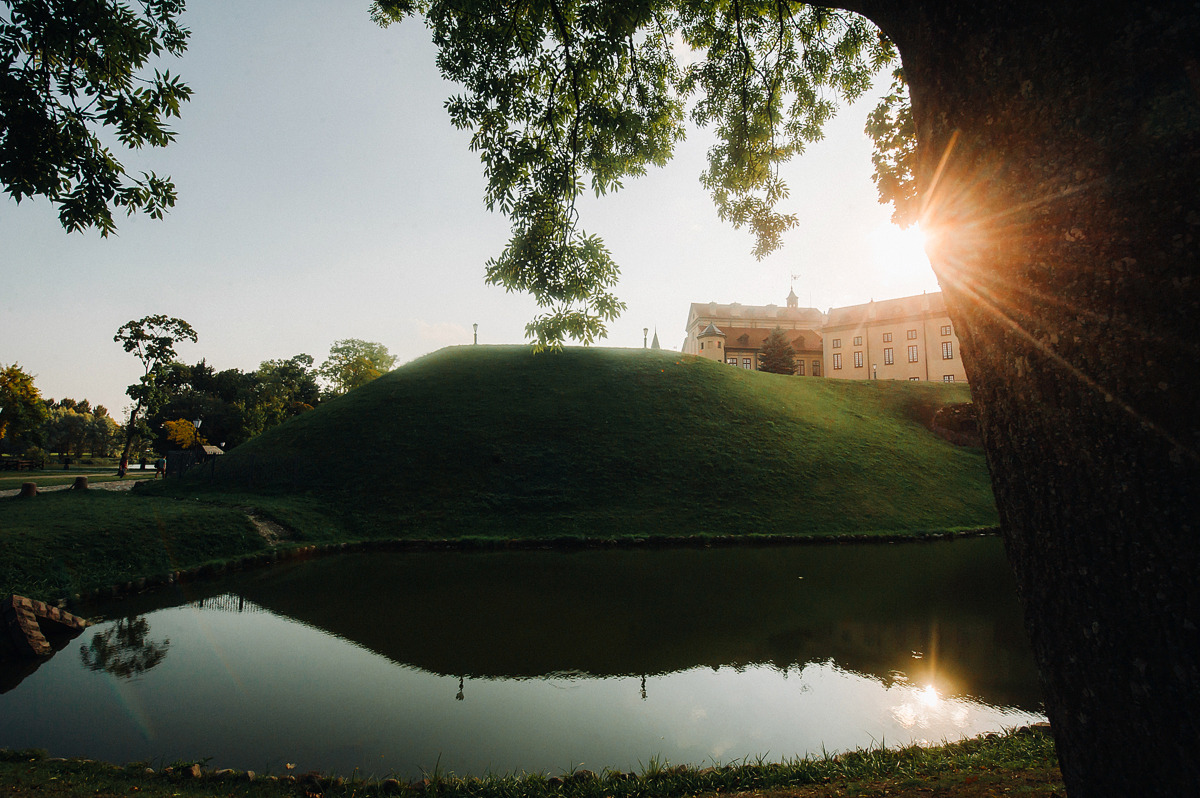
530,661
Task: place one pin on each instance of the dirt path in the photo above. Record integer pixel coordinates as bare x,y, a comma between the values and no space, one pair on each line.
120,484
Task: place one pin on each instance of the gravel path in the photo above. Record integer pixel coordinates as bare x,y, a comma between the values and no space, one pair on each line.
122,484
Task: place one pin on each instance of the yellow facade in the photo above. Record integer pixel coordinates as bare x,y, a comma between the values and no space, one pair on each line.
736,333
911,338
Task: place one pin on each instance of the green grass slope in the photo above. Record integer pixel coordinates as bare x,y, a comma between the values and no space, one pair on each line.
497,441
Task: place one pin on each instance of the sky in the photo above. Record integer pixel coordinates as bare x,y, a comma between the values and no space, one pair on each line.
324,195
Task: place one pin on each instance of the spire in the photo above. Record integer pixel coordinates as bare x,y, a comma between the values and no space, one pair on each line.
654,343
792,299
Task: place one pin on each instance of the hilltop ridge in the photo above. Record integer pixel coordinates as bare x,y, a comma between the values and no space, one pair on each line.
498,441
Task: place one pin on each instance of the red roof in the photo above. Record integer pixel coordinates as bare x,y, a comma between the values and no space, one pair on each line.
753,338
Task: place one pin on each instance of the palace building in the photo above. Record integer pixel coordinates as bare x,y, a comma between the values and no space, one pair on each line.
911,338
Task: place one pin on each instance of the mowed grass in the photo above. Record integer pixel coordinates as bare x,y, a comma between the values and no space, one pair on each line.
1018,763
500,442
62,543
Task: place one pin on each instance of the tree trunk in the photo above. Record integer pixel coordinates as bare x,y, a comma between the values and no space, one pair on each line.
1060,167
130,431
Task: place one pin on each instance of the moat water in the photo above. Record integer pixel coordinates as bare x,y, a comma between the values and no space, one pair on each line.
397,664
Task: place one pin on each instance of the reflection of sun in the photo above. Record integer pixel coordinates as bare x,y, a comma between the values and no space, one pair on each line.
900,253
925,708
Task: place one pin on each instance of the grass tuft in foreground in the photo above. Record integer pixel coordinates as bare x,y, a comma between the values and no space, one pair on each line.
1020,763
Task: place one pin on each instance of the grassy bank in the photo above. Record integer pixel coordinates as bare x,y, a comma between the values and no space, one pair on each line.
495,445
1020,763
70,542
495,441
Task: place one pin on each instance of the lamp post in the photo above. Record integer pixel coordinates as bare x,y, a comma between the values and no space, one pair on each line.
475,328
645,332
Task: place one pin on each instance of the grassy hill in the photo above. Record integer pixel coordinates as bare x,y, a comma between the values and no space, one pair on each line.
497,441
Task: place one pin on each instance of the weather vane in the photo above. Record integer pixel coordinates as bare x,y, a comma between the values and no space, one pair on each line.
795,277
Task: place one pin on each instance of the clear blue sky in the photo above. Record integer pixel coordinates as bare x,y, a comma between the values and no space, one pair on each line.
323,194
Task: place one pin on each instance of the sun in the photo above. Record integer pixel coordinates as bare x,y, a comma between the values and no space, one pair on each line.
900,253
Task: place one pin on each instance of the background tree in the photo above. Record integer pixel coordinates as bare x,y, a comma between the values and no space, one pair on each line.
353,363
66,431
286,388
233,405
152,341
103,433
1057,157
72,75
777,355
183,433
22,411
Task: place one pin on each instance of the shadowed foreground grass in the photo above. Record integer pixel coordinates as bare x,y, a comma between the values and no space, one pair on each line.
67,542
1021,763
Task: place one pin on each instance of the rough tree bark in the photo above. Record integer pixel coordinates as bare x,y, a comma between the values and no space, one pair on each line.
1061,167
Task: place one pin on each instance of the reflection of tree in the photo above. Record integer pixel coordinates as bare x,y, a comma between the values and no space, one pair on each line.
124,650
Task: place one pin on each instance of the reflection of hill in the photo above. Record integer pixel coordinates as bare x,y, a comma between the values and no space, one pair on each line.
528,614
868,608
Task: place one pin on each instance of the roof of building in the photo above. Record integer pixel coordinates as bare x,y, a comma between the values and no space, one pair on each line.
711,329
753,337
904,307
737,310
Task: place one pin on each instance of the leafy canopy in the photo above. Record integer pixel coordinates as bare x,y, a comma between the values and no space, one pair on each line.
892,129
565,96
70,72
21,407
183,433
353,362
152,341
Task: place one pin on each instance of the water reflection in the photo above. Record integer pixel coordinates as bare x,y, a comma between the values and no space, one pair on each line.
124,649
604,658
942,613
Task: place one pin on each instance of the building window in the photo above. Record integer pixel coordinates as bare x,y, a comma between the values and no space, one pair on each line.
912,335
837,360
718,344
858,340
701,344
747,363
945,329
947,378
816,368
912,354
947,350
889,356
914,379
731,361
858,360
837,343
800,368
887,338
